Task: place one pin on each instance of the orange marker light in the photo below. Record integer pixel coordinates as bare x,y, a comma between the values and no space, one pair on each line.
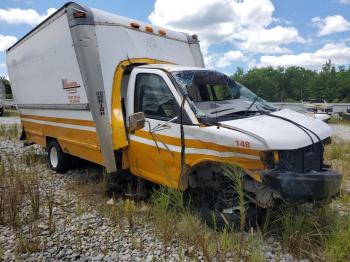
79,14
135,25
162,32
149,29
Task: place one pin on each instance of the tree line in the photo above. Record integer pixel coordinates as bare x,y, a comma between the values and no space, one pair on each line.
293,84
7,85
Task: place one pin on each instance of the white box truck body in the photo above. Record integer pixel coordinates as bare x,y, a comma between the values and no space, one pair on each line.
132,96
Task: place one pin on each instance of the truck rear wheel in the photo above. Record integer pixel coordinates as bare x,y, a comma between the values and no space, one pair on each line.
58,160
2,110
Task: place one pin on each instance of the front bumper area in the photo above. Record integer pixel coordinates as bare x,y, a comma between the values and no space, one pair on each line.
301,188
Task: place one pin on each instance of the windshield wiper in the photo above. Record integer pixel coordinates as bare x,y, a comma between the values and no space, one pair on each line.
250,106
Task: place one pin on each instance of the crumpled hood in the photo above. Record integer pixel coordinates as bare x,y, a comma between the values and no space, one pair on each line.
279,134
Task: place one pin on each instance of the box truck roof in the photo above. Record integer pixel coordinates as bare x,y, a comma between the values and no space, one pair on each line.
99,17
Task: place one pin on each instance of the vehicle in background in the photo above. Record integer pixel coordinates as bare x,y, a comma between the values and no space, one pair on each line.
2,98
346,114
319,108
135,97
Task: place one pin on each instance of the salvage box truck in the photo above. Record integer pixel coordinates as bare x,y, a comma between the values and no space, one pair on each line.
136,97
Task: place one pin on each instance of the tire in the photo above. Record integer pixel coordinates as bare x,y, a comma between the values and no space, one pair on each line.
213,203
219,221
2,110
57,160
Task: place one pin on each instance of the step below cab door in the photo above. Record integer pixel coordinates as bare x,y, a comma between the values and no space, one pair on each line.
154,151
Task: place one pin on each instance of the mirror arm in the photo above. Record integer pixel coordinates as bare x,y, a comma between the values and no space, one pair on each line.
152,134
155,138
164,124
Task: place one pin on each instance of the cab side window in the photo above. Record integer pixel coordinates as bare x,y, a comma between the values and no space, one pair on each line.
153,97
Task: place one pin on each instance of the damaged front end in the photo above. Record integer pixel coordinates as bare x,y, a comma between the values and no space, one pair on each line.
300,176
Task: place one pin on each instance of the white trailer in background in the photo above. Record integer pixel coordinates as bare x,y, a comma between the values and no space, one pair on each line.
136,97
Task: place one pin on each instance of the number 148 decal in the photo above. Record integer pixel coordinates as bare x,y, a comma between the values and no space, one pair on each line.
241,143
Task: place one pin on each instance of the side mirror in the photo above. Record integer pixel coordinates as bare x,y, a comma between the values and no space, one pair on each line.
136,121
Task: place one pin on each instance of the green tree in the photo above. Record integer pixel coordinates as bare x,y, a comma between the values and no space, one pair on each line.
7,85
297,83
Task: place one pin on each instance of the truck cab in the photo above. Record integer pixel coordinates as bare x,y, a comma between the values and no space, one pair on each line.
187,124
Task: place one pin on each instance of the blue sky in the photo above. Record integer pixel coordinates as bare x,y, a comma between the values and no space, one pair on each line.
245,33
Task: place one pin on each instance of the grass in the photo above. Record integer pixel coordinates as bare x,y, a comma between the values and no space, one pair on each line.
302,231
20,200
27,245
9,132
338,244
337,155
2,251
11,193
11,113
338,121
338,151
50,197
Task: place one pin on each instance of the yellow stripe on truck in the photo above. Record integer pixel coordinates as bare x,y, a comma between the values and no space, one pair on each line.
78,142
61,120
191,143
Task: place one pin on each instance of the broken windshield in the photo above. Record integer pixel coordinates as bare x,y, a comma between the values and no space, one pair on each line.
215,95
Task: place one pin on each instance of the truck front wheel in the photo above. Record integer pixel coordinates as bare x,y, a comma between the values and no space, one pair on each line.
2,110
58,160
213,194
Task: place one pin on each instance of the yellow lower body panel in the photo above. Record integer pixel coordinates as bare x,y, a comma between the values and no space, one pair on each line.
164,167
80,143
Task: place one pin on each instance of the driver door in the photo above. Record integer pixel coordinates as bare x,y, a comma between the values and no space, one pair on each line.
154,151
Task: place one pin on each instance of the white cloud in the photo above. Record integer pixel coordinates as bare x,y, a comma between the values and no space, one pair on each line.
2,65
246,24
270,40
23,16
338,53
227,58
346,2
331,24
221,60
6,41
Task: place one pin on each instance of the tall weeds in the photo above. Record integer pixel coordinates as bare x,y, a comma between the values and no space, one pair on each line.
9,132
33,192
236,176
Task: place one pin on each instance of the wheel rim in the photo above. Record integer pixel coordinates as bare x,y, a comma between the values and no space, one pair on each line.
54,157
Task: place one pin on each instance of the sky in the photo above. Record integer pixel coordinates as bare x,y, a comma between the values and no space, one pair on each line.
232,33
